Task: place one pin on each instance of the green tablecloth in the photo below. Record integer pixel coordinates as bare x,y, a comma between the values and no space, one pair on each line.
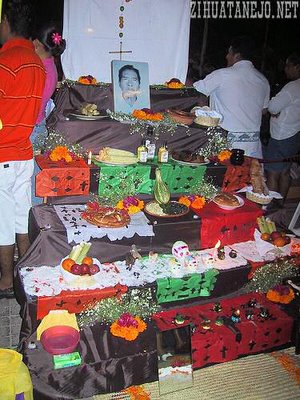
179,178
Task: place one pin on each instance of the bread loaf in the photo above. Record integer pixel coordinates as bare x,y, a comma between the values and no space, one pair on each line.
226,199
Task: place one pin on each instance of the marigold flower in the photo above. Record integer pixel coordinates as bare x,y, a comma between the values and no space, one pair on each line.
224,155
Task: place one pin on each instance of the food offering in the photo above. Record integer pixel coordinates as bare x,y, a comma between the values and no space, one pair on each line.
269,232
78,268
206,117
228,201
181,117
188,157
169,210
162,206
105,217
260,192
111,156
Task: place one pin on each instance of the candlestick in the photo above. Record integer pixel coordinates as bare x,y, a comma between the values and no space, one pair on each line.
89,161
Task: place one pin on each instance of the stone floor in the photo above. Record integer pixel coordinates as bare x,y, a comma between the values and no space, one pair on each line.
10,323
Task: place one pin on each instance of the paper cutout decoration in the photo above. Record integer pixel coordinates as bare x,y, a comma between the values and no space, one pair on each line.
195,285
61,178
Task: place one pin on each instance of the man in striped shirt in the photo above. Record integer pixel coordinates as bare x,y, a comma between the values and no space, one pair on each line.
22,79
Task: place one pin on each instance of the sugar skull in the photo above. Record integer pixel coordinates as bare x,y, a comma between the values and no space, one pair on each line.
180,250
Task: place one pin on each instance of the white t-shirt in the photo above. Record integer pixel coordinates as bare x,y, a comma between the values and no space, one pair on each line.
239,93
287,104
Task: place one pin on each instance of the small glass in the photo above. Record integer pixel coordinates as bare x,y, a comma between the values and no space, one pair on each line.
237,157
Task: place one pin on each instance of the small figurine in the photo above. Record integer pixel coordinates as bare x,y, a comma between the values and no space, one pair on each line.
264,313
249,314
232,254
217,307
179,319
219,321
221,253
206,324
236,316
252,303
135,252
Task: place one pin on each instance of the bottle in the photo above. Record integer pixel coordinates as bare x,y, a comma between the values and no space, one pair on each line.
150,143
163,153
142,152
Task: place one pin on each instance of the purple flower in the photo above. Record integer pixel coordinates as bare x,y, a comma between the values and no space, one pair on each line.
127,320
283,290
130,201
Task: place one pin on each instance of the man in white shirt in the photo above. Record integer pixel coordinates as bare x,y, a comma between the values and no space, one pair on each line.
284,128
241,94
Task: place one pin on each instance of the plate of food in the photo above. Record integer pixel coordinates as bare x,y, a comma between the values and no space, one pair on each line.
189,158
228,201
116,157
80,116
170,210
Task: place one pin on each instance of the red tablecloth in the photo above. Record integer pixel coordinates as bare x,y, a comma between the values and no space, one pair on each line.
227,226
75,301
230,340
62,179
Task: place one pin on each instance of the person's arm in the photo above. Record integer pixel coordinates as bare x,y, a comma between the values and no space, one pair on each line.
279,102
209,83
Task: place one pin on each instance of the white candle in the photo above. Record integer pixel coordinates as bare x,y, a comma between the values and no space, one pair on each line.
89,161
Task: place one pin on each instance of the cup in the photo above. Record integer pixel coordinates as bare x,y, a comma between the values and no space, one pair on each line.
237,157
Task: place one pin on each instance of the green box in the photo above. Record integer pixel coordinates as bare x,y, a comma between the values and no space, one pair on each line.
66,360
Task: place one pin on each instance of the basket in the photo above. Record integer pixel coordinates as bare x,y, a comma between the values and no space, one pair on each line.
205,120
258,198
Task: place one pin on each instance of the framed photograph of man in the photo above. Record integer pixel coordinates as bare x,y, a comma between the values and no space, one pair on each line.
130,81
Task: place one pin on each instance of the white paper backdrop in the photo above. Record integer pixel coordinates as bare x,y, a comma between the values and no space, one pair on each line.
157,32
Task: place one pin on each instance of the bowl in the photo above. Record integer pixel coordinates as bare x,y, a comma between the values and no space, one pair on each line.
230,208
60,339
181,117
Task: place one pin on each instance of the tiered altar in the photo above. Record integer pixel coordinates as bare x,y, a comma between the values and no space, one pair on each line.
201,288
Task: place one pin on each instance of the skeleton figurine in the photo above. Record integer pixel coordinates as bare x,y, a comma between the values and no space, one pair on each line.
132,256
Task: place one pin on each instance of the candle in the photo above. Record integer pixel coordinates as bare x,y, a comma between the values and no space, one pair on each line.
215,250
89,161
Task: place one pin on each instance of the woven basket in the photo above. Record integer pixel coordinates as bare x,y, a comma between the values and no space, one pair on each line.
207,121
258,198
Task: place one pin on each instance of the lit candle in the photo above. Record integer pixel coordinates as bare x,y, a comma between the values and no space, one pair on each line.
215,250
89,161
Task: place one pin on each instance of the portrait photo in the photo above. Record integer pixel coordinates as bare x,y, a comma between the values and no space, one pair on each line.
130,81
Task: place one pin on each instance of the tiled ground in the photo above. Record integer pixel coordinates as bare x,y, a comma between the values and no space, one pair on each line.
10,323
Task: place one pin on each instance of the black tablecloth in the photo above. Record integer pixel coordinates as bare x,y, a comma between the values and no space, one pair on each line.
108,364
93,135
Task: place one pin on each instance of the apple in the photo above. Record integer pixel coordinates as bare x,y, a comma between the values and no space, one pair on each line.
76,269
84,269
94,269
275,235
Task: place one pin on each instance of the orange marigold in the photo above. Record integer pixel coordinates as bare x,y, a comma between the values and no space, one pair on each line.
184,200
140,114
60,153
224,155
198,203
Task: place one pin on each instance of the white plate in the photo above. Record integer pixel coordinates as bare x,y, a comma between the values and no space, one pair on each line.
230,208
87,117
189,163
124,164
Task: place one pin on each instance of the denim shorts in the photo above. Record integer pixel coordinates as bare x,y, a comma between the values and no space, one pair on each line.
280,149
